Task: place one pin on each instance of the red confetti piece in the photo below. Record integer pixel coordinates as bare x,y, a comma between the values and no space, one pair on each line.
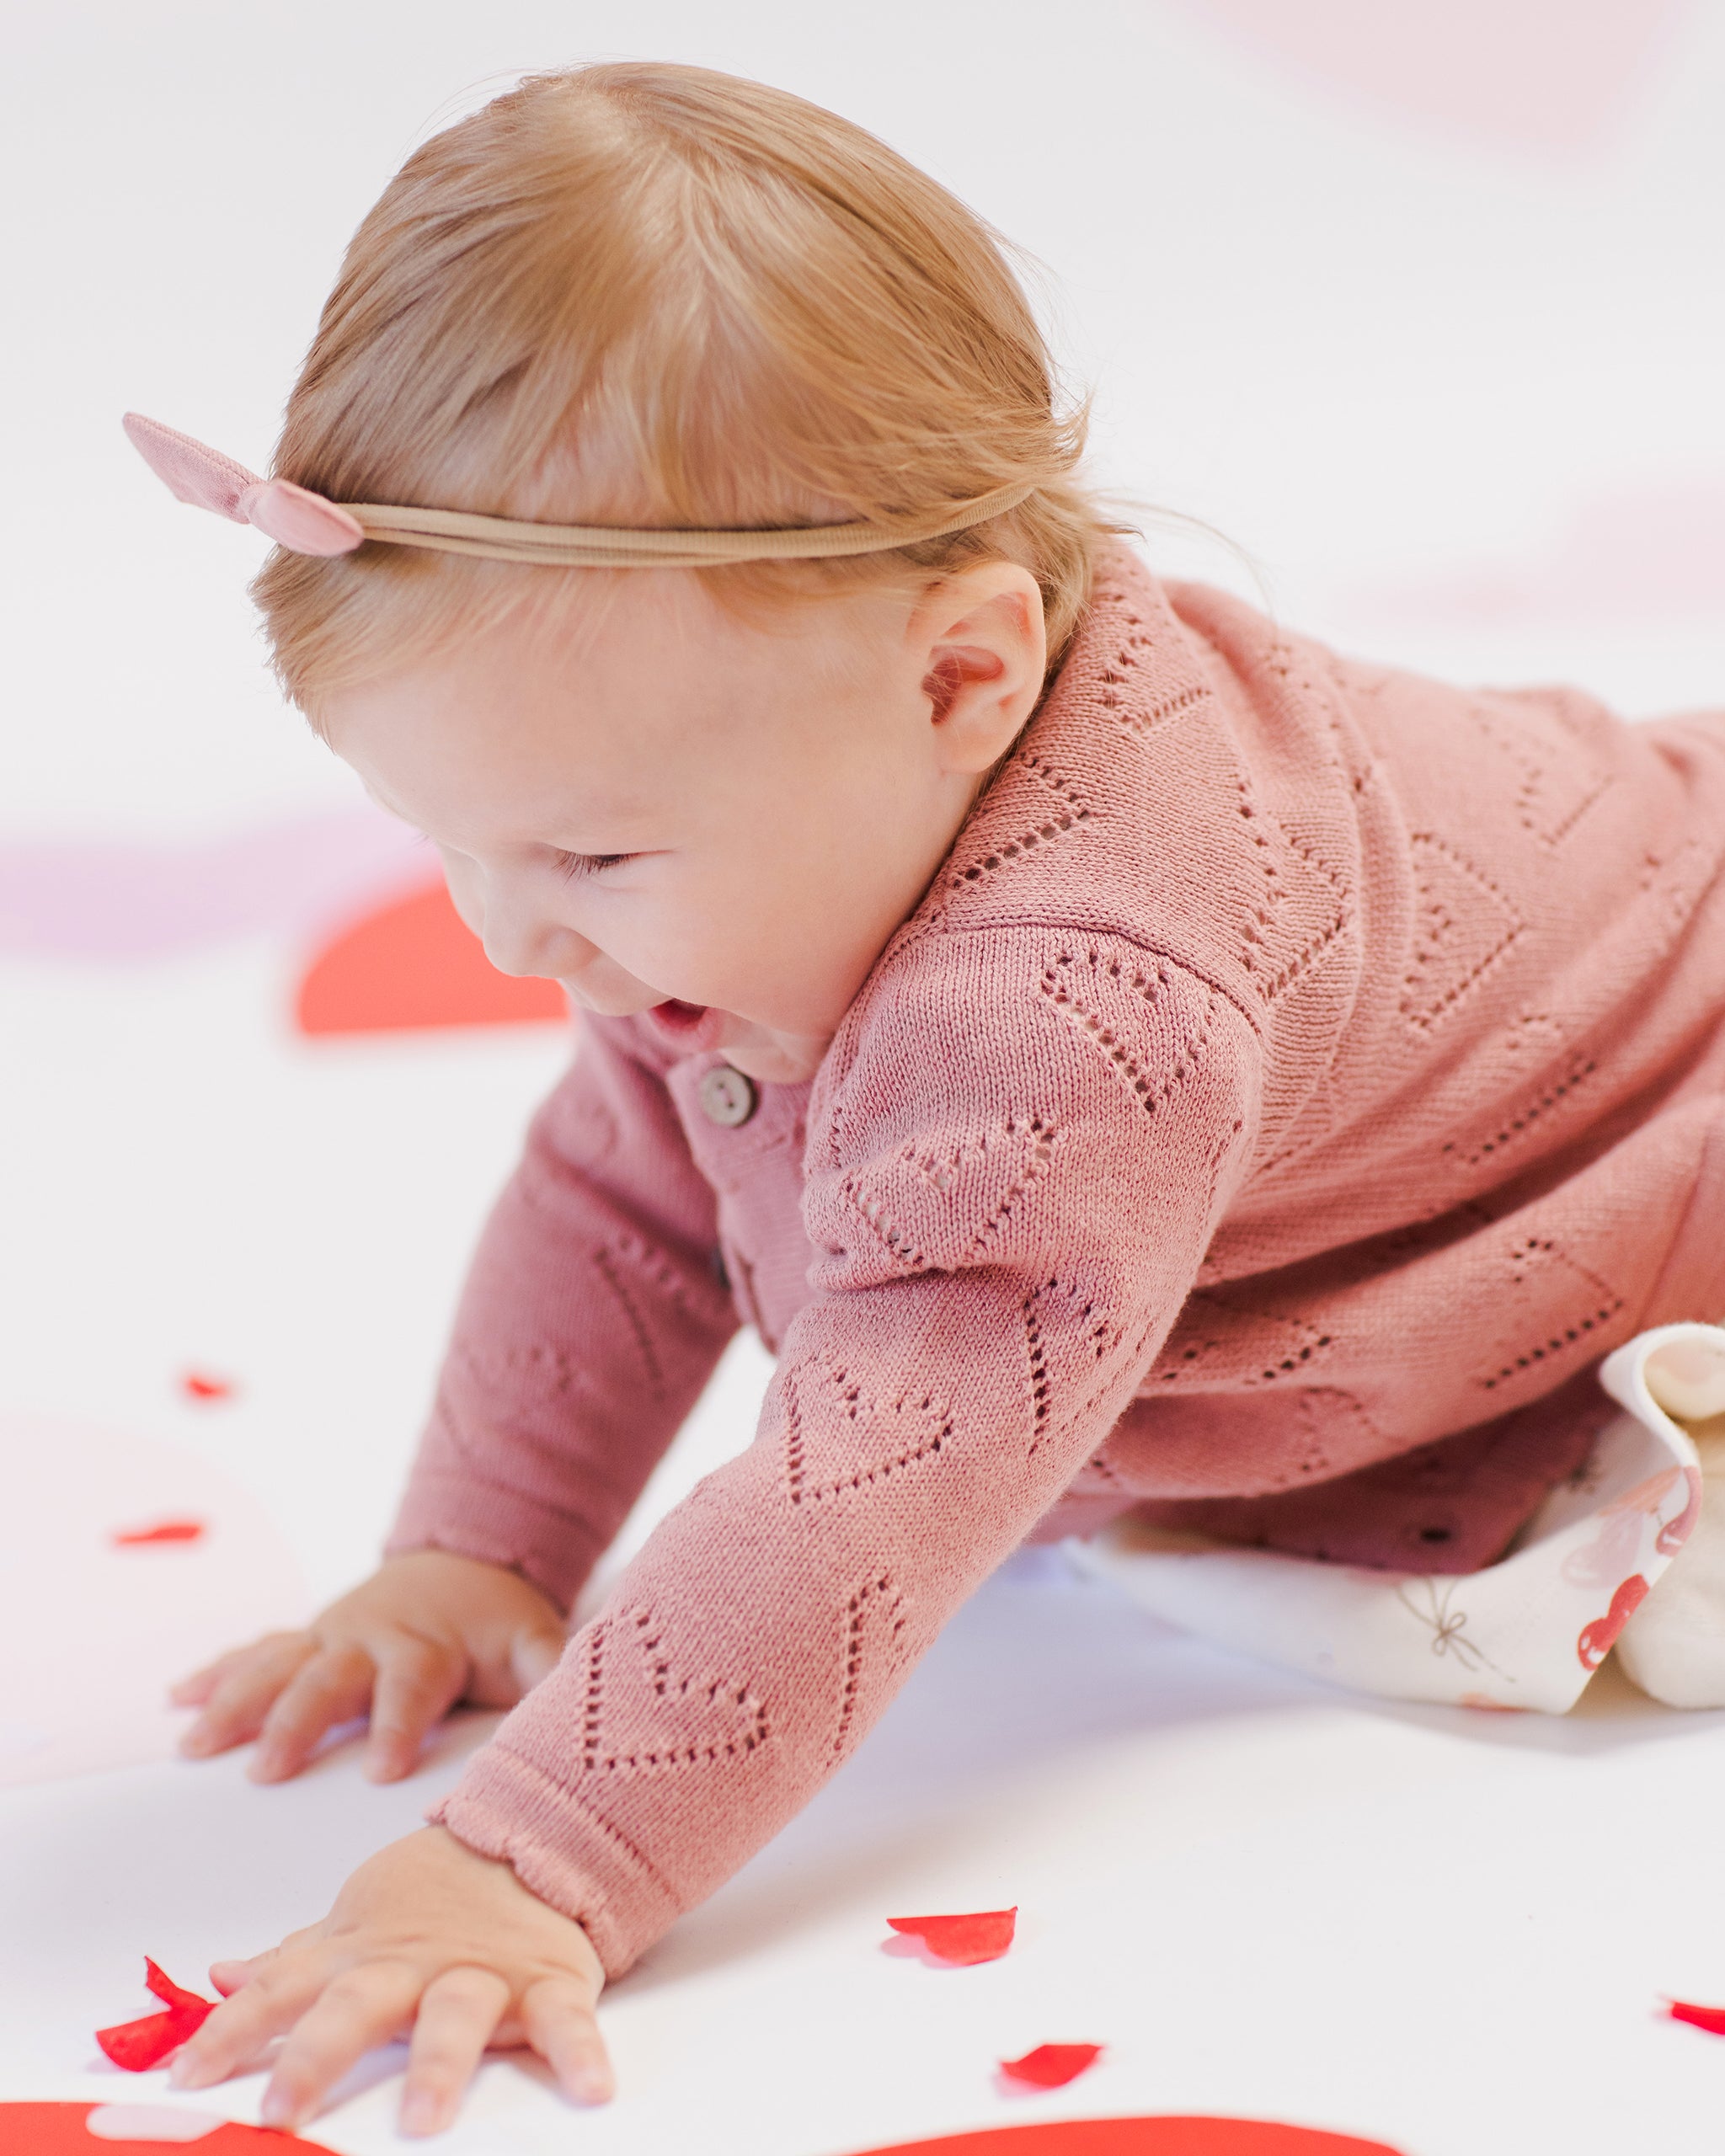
137,2046
165,1530
983,1935
198,1384
1710,2018
1051,2066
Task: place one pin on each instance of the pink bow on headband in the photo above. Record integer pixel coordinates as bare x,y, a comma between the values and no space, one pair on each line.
309,524
293,516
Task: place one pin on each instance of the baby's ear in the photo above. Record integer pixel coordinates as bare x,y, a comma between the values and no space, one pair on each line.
949,673
1687,1378
987,655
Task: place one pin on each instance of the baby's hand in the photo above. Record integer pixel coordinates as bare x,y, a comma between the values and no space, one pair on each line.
426,1629
426,1938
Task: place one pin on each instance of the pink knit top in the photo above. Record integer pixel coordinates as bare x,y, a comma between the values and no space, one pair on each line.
1295,1064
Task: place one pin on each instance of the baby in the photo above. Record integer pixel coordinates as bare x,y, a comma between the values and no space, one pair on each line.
1120,1057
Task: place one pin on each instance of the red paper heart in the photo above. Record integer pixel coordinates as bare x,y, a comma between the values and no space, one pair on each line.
166,1530
983,1935
137,2046
59,2130
415,963
1151,2136
1051,2066
1710,2018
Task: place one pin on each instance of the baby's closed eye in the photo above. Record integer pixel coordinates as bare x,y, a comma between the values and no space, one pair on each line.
575,865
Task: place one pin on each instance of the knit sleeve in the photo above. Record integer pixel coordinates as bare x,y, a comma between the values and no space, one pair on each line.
1014,1167
591,1316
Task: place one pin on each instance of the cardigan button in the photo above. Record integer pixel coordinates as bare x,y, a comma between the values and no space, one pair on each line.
727,1096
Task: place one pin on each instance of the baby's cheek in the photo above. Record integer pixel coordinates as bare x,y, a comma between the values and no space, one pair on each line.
730,951
463,878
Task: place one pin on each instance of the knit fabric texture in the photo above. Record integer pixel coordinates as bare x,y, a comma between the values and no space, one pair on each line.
1297,1076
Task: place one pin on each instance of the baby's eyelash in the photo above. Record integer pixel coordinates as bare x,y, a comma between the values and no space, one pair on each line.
576,865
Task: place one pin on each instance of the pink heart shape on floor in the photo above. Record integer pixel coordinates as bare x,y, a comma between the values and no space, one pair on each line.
1542,74
100,899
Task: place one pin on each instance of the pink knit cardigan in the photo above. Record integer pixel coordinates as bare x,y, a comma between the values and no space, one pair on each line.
1295,1064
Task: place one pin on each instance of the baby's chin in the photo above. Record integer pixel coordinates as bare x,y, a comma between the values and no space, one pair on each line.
768,1056
780,1060
763,1053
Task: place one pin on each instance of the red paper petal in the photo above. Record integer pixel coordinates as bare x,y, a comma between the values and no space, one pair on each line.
165,1530
137,2046
1710,2018
174,1995
983,1935
1051,2066
199,1385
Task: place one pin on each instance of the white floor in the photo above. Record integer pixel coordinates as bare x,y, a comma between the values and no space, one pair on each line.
1446,367
1446,1932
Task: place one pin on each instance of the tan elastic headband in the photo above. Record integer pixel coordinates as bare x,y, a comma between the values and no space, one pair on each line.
310,523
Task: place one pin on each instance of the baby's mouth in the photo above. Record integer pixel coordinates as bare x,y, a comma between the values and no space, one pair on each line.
686,1029
679,1017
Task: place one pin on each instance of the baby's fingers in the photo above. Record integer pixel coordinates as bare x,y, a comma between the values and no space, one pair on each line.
193,1688
359,2009
334,1687
245,2023
457,2017
241,1687
234,1974
556,2014
417,1685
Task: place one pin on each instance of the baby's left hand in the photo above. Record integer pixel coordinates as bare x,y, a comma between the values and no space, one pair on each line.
426,1937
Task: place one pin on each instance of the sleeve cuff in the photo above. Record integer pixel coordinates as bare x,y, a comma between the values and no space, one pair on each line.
555,1551
504,1808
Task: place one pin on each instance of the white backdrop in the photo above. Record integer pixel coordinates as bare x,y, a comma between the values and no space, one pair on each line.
1420,302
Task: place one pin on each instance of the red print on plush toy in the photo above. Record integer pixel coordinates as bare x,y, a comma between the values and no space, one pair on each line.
1598,1639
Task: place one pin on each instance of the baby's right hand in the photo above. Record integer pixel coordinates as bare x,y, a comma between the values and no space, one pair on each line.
426,1629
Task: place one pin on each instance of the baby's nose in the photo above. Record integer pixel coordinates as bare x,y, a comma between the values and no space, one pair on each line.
521,942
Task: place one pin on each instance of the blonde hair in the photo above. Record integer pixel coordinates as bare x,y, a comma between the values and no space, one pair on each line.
641,294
